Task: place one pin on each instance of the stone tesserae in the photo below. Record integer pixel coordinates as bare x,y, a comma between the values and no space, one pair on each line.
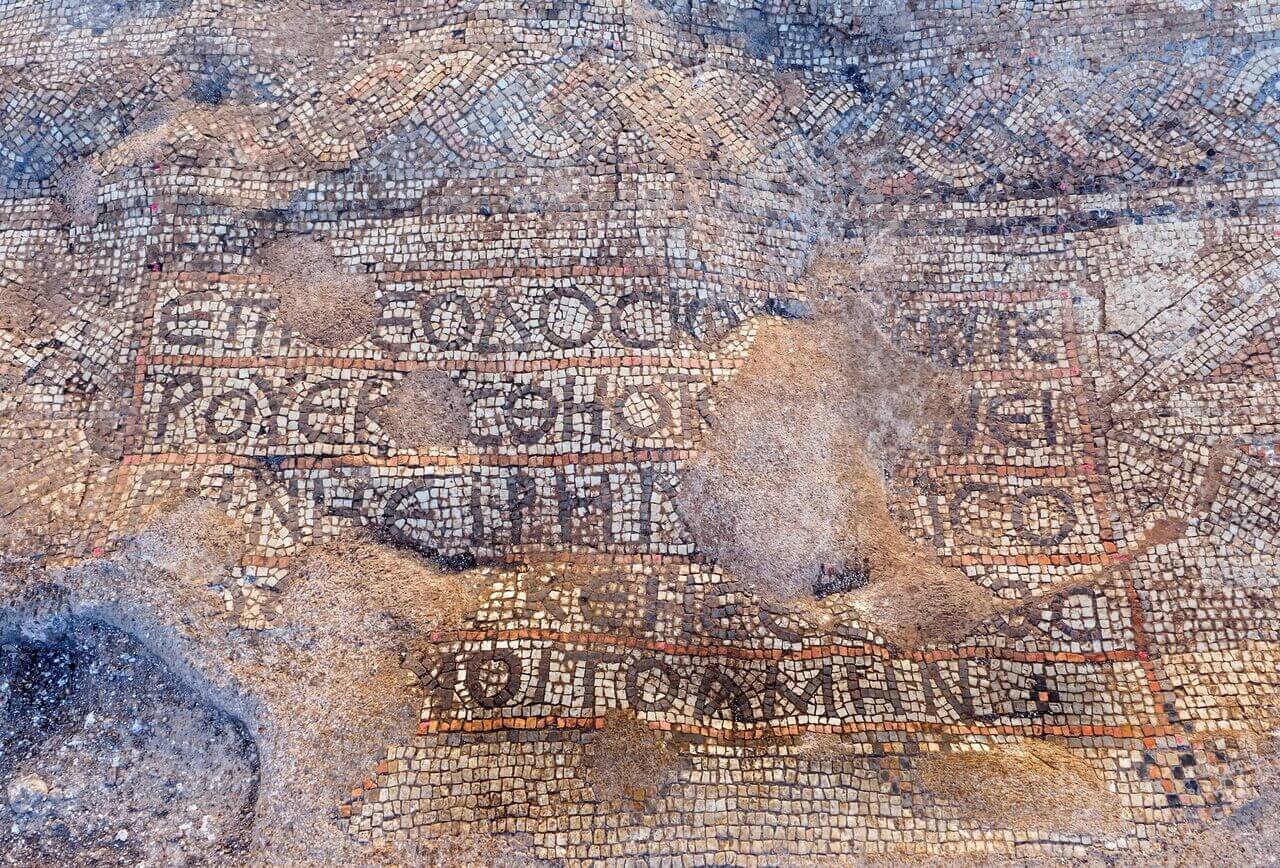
640,432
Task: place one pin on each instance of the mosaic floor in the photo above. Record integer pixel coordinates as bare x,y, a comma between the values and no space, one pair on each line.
235,235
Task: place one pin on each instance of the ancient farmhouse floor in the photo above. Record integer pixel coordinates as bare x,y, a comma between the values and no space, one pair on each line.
785,432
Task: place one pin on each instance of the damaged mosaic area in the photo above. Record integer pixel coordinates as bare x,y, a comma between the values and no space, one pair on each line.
668,432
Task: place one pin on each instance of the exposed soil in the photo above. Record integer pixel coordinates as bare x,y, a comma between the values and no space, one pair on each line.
146,143
304,31
790,484
78,189
426,408
321,694
319,299
1028,785
626,760
108,760
191,538
822,746
401,584
910,598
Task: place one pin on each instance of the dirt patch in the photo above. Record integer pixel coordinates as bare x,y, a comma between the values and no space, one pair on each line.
322,694
19,308
822,746
403,585
910,598
147,142
628,761
789,487
1162,531
318,299
192,539
1024,785
927,605
10,376
106,759
425,408
78,188
1211,483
